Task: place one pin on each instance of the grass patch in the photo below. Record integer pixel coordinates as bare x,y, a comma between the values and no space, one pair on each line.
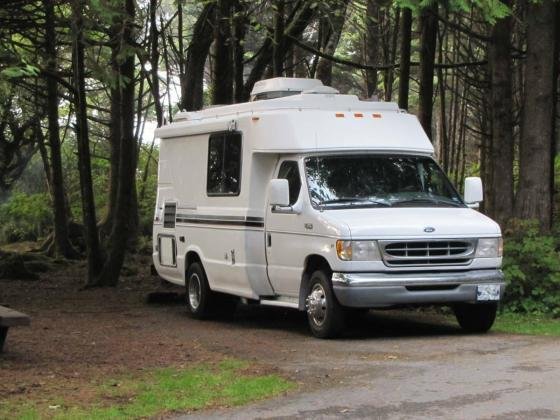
527,324
158,392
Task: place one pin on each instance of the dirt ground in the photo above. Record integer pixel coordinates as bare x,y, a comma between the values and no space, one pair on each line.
78,338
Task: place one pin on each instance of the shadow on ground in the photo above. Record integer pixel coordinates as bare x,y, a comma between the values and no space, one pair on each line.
374,324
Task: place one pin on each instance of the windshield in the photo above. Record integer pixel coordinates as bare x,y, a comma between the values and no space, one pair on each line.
378,181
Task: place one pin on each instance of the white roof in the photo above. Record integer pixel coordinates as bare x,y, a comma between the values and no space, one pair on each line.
310,122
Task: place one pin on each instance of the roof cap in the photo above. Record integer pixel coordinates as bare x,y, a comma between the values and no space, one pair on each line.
287,84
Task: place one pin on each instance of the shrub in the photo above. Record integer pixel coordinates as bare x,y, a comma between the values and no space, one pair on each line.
532,270
25,217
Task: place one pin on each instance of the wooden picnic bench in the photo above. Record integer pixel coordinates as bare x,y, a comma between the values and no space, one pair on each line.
10,318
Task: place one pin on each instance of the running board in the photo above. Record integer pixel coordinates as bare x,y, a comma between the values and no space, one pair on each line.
283,302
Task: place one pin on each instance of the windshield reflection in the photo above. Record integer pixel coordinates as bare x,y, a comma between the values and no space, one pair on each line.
343,181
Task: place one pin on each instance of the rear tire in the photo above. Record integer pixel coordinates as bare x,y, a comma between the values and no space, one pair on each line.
324,314
199,298
476,318
201,301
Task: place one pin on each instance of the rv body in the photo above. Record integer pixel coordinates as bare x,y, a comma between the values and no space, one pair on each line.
320,202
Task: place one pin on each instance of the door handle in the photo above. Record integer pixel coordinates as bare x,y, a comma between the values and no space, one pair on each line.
268,240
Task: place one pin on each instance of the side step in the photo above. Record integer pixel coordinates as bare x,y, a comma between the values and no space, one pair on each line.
281,301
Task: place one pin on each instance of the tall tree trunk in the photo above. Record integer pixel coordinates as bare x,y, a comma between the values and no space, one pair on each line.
336,19
443,138
372,45
222,92
154,61
61,236
125,203
428,37
556,117
534,197
501,105
240,28
94,256
389,74
404,69
192,81
278,35
106,224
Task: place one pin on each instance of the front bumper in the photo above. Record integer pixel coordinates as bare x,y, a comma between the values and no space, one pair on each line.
369,290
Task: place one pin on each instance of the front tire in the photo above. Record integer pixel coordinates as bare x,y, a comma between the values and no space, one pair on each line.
324,314
476,318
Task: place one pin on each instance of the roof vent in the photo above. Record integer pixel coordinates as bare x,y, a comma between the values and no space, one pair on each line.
322,89
283,86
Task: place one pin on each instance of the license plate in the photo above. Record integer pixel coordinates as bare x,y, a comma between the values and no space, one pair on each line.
486,292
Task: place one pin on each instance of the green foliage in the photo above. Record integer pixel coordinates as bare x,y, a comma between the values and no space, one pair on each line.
492,10
510,322
148,189
161,391
25,70
25,217
532,270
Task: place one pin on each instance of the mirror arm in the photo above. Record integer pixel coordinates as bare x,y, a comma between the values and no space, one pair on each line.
475,206
295,209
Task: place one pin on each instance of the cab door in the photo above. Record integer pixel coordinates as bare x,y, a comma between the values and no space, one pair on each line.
283,259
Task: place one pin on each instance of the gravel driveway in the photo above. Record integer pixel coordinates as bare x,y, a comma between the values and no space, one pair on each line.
396,365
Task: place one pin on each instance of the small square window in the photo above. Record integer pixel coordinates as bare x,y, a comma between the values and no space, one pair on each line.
224,164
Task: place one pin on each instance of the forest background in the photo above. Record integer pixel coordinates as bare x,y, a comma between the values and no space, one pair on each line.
84,83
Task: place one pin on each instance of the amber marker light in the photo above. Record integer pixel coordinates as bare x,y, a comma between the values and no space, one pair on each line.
359,115
339,115
344,250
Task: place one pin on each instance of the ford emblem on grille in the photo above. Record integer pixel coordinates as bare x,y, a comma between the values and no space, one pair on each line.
429,229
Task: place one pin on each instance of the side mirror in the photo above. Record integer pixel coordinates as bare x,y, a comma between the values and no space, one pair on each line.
473,191
279,192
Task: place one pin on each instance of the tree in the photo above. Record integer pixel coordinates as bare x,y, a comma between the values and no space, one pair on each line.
334,22
297,21
404,54
94,256
372,45
499,201
197,52
121,230
278,38
534,198
61,237
428,38
223,70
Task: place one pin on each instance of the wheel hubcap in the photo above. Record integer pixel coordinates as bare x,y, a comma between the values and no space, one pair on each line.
317,305
195,291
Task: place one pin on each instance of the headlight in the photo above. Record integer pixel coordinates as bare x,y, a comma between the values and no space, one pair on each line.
489,248
358,250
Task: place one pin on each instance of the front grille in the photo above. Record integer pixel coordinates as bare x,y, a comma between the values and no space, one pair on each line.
423,253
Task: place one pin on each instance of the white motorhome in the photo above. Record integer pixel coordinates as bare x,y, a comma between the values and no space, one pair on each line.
309,199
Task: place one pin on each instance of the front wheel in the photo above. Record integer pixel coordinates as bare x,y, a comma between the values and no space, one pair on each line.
476,318
324,314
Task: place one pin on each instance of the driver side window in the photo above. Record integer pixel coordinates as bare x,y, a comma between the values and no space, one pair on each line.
289,170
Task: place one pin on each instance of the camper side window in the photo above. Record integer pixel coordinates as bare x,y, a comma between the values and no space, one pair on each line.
224,164
289,170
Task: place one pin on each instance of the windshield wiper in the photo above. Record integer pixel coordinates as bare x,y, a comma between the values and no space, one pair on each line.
427,200
351,201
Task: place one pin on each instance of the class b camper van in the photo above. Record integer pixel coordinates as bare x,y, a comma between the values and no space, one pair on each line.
309,199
